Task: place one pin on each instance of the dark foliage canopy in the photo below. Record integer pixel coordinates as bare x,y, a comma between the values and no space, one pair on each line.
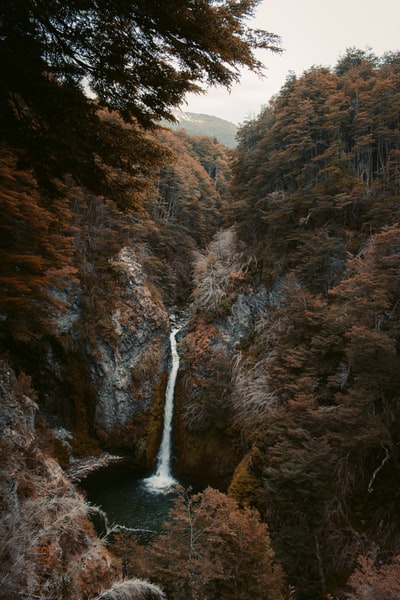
139,58
73,160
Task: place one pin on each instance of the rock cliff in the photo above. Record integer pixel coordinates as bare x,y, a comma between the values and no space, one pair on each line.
126,370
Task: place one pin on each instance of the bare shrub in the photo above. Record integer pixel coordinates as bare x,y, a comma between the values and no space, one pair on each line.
31,536
215,270
252,397
132,589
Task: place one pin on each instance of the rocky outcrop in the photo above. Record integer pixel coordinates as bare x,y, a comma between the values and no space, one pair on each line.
101,376
246,309
126,372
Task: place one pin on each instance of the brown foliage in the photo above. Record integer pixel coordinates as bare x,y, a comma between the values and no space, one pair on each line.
35,252
212,548
371,581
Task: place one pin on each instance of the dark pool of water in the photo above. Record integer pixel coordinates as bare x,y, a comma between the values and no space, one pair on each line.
127,500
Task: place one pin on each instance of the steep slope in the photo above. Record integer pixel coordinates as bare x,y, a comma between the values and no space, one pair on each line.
291,362
86,290
315,391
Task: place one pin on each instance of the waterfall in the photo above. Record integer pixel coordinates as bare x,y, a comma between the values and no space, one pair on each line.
162,480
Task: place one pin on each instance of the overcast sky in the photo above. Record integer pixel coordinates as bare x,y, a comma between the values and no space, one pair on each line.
313,32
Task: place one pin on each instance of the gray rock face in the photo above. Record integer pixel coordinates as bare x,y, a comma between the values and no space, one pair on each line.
124,373
246,310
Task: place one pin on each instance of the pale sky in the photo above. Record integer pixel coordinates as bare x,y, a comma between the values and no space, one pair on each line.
313,32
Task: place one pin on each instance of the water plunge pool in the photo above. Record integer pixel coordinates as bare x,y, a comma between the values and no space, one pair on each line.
127,500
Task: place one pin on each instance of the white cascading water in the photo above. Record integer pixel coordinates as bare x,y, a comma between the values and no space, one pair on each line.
162,480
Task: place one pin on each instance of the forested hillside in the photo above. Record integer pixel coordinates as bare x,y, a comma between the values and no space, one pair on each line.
316,390
283,256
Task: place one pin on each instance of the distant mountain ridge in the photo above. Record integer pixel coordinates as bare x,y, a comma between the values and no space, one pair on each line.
200,124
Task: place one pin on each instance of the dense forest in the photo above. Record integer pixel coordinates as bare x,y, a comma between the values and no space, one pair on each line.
316,185
284,256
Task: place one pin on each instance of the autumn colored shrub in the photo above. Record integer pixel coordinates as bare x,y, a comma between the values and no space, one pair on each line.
372,581
36,253
211,548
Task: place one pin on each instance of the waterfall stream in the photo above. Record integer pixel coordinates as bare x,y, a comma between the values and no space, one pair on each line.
142,505
162,480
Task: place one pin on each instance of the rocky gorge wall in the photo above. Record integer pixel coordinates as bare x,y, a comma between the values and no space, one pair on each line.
128,372
101,386
105,391
207,446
